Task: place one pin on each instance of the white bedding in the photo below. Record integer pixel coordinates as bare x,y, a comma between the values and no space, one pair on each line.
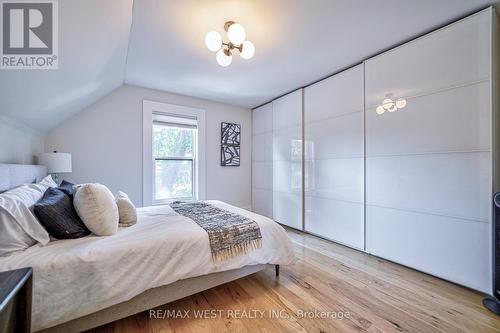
73,278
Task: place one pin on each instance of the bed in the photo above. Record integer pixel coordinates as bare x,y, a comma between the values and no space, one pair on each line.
87,282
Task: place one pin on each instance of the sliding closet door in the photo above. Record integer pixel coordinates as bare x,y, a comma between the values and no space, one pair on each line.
262,160
428,164
334,158
287,159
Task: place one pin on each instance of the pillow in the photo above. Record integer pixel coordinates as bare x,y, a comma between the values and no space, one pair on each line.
56,213
126,210
96,206
47,182
67,188
19,228
31,193
13,236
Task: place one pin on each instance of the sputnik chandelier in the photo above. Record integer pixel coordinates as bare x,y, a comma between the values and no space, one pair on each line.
236,35
390,105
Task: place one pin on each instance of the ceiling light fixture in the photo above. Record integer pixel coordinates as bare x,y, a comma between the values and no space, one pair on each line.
390,105
236,34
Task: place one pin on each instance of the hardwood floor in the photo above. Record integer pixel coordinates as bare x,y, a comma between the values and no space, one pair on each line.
372,294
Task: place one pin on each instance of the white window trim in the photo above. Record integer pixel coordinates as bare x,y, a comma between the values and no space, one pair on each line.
150,107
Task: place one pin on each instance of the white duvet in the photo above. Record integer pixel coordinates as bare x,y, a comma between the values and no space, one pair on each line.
73,278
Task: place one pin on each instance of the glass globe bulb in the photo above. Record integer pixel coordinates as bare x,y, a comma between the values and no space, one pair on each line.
400,103
223,59
213,41
236,33
248,50
387,103
380,109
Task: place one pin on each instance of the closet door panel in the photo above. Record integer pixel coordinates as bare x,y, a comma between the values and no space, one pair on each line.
454,55
329,216
262,147
262,202
287,177
455,185
335,96
262,119
335,137
334,153
287,144
287,160
262,175
453,249
287,112
337,178
429,164
285,209
452,120
262,160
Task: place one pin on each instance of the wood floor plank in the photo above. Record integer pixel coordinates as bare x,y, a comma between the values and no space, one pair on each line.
400,297
380,296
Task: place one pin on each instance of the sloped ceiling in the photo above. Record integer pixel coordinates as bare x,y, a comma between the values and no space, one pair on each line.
160,44
93,41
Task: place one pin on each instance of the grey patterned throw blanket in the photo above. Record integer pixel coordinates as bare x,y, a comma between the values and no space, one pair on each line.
230,234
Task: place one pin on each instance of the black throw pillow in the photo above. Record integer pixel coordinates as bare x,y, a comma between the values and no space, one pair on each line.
67,188
56,213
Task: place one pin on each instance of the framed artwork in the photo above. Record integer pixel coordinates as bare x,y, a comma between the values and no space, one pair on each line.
230,134
230,144
230,155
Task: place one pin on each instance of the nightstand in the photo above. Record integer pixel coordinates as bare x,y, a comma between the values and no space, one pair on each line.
15,300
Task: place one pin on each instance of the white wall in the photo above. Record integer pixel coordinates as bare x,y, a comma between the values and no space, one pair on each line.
18,143
106,143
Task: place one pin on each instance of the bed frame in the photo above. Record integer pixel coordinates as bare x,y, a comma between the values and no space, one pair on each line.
13,175
153,298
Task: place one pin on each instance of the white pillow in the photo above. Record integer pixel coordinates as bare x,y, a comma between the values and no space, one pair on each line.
29,194
126,209
19,228
96,206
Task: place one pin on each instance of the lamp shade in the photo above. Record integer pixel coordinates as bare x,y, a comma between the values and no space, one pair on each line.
56,162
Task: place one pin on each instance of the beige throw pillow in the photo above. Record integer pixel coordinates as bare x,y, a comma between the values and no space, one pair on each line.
126,209
96,206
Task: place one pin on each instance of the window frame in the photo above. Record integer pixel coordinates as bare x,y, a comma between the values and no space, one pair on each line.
152,109
192,159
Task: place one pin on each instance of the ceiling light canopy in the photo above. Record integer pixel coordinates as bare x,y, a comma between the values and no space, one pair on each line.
236,34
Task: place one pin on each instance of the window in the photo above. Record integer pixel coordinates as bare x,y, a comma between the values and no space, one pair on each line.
174,154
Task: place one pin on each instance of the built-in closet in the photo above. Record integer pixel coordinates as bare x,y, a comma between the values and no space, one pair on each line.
394,156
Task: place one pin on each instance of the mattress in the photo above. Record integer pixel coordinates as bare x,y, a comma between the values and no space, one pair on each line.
73,278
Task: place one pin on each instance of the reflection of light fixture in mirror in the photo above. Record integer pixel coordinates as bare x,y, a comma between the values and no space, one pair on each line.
236,34
400,103
390,105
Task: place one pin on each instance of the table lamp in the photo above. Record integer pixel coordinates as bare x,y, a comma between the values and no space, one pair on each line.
56,163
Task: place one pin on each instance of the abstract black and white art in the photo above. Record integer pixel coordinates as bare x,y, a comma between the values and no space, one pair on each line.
230,155
230,144
230,134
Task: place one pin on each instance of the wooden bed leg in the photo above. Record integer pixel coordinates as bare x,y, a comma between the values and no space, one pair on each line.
277,267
